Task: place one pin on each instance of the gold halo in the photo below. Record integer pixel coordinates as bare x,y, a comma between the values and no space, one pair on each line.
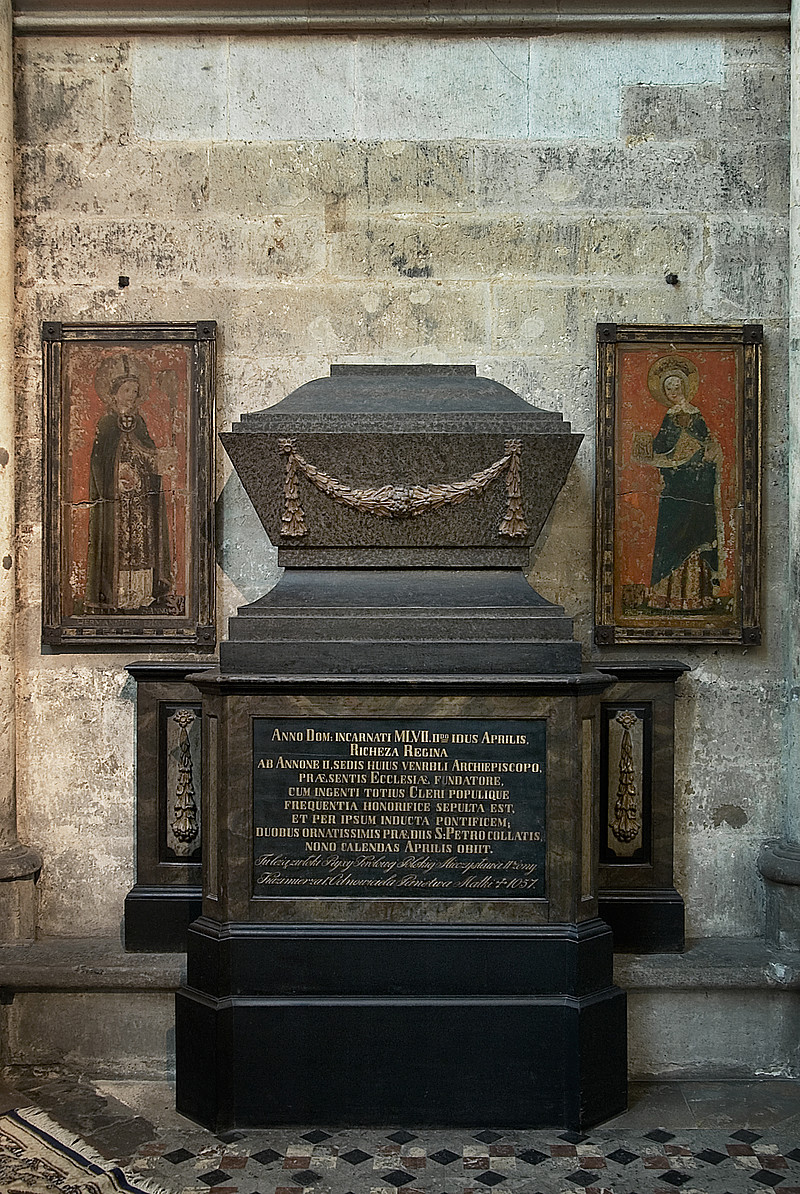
665,366
117,365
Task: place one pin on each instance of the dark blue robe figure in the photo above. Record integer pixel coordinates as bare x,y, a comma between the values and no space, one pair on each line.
687,512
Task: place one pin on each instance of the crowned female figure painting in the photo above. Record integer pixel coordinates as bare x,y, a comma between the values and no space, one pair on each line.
688,551
128,567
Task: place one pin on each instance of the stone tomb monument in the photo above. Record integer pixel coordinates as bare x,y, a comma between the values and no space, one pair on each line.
399,891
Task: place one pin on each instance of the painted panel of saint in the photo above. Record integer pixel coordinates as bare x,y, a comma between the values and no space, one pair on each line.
677,484
127,484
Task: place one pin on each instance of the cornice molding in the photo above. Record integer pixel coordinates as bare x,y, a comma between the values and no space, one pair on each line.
499,17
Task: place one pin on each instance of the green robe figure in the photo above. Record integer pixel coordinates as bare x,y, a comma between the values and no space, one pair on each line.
129,562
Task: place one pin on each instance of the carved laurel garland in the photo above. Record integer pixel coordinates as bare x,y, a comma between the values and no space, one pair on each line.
402,501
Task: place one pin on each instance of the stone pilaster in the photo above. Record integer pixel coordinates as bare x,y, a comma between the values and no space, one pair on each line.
779,861
18,864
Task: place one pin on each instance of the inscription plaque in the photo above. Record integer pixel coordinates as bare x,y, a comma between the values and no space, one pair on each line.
376,807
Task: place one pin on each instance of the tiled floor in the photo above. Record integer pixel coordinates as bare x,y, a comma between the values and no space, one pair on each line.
733,1137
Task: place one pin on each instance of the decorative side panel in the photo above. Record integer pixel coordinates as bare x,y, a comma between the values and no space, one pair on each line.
181,782
587,810
211,884
626,788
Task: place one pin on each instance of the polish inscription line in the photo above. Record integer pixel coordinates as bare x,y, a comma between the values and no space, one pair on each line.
421,807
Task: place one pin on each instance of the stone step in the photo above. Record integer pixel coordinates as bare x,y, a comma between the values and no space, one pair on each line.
398,656
405,625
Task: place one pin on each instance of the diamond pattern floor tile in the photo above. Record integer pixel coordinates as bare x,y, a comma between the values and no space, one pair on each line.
620,1158
368,1161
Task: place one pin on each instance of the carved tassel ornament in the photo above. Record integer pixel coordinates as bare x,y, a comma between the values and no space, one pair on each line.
627,817
184,824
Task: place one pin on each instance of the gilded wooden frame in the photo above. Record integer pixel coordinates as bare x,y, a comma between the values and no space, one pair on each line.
678,499
128,551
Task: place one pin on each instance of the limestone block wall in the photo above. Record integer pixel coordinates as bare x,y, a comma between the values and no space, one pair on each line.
393,199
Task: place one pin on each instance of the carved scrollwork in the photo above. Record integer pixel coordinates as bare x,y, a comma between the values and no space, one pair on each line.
402,501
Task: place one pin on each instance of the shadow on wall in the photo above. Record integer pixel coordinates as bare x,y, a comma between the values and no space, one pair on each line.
244,553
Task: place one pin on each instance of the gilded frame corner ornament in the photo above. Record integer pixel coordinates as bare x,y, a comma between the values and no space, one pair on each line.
678,484
128,550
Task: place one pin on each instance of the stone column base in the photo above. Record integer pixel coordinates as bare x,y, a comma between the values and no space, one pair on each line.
19,869
779,863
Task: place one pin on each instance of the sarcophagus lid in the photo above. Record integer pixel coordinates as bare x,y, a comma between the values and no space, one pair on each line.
402,466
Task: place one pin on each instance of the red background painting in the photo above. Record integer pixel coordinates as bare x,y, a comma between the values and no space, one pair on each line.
638,485
167,420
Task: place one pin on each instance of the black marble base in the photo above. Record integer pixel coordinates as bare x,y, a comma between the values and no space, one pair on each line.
644,922
367,1025
388,621
157,919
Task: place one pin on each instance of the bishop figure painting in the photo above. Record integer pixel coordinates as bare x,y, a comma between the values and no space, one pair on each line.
127,513
677,486
133,496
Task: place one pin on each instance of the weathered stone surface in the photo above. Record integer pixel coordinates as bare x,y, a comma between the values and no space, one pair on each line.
539,176
752,104
92,771
542,320
532,319
101,251
549,384
417,176
746,275
362,318
672,113
720,809
769,48
87,54
59,105
413,89
564,108
86,1030
249,180
180,89
252,382
755,103
118,181
753,178
742,1033
290,87
477,247
27,376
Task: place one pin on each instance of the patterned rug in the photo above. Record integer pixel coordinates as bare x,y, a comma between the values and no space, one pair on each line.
39,1157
